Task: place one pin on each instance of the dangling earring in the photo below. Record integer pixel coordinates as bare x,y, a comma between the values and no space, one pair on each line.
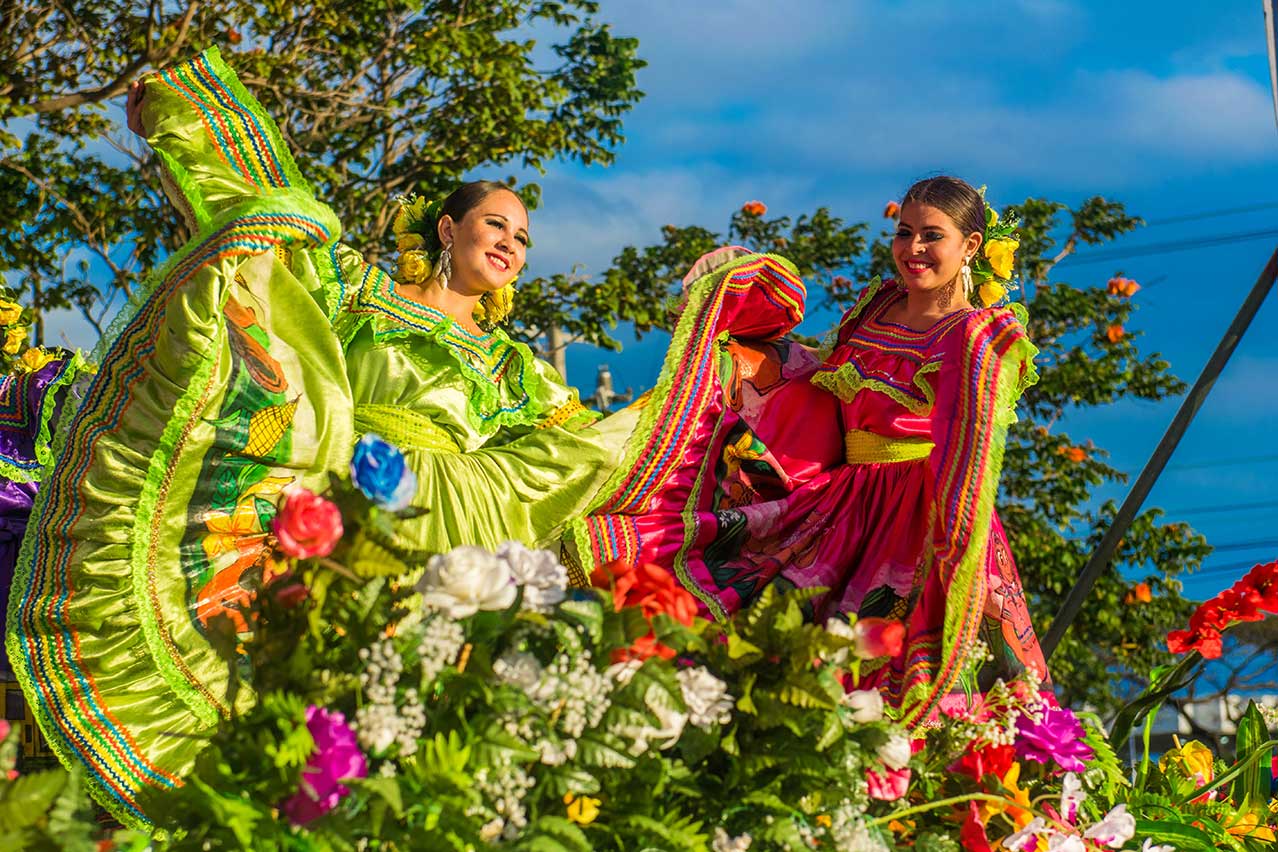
966,274
445,265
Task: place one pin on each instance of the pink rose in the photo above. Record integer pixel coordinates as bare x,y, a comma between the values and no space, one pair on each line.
889,785
307,525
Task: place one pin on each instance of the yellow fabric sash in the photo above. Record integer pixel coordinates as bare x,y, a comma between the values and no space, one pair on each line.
403,427
861,447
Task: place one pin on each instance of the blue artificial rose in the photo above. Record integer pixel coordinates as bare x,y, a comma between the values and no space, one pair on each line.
378,470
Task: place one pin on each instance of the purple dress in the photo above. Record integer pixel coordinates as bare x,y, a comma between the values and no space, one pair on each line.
29,404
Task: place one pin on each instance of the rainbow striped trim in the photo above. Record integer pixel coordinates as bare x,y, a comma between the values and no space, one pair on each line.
667,428
994,359
80,722
240,135
28,425
686,393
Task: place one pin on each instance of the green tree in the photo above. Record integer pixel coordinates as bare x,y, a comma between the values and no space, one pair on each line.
375,99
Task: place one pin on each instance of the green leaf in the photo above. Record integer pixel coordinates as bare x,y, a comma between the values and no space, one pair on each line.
28,798
1186,838
387,789
556,834
1252,736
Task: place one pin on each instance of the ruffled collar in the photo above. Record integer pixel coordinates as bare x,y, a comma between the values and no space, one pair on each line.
499,370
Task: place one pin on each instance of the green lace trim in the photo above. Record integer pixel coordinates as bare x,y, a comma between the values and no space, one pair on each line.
846,383
486,409
43,440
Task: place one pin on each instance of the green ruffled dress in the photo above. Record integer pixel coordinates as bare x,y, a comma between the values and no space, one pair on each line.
250,363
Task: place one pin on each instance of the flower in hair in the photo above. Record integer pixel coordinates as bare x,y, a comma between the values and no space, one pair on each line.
1001,253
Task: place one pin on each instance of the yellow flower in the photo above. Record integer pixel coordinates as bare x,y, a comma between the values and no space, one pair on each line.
581,809
35,358
411,211
992,292
10,312
412,268
824,820
13,339
991,217
1019,815
1247,824
1001,253
410,241
1194,759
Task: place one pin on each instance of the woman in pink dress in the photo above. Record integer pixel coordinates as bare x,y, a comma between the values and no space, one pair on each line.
870,470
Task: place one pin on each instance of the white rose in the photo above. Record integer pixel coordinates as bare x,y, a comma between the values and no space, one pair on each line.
465,581
895,753
866,705
706,697
544,579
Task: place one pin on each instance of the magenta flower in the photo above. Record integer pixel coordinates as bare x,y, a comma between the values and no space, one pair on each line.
336,758
1058,737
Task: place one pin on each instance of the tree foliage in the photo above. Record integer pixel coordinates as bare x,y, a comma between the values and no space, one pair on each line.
389,96
375,99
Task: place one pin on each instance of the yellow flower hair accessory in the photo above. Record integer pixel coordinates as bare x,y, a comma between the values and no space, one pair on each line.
416,231
994,265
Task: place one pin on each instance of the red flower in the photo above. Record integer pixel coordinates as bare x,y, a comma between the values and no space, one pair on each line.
1115,333
988,760
754,208
307,525
972,834
891,210
1247,600
654,590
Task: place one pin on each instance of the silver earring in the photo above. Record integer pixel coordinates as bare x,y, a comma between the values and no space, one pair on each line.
445,265
966,274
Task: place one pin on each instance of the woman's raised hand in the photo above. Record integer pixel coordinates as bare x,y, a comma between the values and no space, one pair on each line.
133,107
712,260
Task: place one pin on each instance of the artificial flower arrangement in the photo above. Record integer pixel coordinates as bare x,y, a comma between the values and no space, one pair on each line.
471,700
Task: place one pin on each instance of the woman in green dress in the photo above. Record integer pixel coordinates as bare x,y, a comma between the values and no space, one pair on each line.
249,364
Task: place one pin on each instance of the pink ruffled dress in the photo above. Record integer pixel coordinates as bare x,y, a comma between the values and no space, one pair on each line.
871,472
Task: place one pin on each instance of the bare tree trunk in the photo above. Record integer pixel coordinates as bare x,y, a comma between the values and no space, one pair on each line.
558,351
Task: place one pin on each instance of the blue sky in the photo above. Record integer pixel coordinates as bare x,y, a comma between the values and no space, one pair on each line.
1165,107
843,103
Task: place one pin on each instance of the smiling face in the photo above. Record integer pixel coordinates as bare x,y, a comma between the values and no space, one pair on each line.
929,248
489,243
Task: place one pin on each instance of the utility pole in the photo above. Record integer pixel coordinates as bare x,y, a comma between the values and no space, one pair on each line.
1193,401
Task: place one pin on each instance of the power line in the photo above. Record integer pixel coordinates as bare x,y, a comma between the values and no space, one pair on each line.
1246,545
1212,214
1222,462
1165,248
1236,507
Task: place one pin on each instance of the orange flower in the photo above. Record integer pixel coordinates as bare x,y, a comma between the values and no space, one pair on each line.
892,210
1138,593
1118,286
754,208
1115,333
654,590
1074,454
